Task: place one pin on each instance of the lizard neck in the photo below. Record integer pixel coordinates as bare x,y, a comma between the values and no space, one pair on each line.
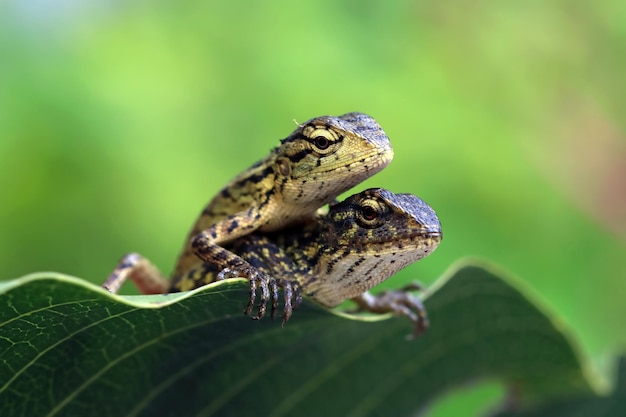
304,247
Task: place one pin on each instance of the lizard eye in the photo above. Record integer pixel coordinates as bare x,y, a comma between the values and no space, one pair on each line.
369,215
321,142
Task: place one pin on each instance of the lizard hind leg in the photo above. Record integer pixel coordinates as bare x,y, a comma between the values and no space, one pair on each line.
399,302
142,272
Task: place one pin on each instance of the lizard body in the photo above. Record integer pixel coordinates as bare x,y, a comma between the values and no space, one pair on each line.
322,158
361,242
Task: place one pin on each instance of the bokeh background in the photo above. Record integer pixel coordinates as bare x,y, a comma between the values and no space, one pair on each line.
120,120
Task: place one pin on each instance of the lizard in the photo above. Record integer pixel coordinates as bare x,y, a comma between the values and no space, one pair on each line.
319,160
341,255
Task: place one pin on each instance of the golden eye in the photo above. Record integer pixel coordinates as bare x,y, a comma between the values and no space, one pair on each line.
369,213
321,142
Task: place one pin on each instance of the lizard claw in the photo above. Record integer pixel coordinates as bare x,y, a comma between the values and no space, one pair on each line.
293,298
269,290
262,281
411,306
257,280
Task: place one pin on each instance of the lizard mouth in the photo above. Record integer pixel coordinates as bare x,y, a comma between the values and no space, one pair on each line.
410,239
372,163
424,238
432,238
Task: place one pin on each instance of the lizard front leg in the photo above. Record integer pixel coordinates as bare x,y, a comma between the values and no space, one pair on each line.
207,246
142,272
265,254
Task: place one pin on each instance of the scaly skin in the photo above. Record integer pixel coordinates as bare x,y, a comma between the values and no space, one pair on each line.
321,159
361,242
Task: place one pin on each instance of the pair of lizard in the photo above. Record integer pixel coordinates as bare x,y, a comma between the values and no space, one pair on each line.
266,225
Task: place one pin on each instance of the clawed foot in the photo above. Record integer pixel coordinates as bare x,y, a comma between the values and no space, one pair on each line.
398,302
269,290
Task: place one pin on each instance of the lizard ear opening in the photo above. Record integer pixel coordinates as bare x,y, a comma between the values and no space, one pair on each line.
283,166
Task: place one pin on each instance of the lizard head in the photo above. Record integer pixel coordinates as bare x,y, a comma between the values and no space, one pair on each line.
369,237
328,155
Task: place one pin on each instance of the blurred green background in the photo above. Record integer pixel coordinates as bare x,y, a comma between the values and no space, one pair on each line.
120,120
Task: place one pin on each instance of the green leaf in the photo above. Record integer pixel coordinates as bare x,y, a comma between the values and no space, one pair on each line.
69,348
613,405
